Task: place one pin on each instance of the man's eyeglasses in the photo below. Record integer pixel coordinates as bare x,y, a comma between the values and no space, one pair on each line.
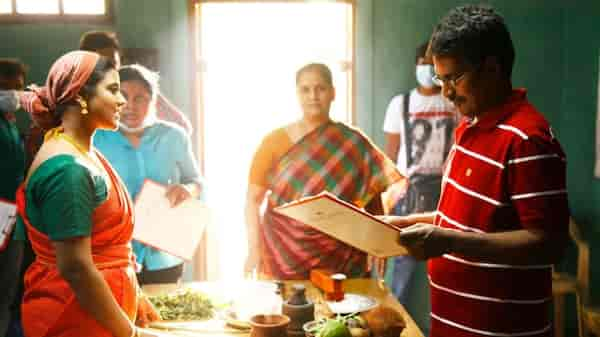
451,81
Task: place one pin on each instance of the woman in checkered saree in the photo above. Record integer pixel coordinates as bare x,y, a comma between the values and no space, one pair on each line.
302,159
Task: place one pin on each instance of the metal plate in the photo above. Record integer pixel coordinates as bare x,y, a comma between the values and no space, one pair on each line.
352,303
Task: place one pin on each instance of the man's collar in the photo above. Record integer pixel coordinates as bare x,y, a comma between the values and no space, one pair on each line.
497,114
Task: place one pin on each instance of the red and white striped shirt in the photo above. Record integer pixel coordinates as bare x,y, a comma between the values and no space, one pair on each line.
505,172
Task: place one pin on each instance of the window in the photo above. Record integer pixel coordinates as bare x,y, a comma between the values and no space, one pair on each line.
27,10
5,7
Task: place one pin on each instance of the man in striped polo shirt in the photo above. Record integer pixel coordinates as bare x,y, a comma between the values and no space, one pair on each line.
503,215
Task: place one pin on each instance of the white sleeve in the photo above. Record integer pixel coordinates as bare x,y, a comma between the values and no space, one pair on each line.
393,116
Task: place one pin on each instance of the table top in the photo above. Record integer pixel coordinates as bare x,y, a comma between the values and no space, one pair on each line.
368,287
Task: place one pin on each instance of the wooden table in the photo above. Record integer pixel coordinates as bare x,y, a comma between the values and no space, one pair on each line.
369,287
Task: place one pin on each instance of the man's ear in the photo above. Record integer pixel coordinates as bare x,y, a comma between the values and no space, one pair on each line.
492,65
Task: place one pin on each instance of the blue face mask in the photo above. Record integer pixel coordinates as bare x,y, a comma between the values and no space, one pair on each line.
425,75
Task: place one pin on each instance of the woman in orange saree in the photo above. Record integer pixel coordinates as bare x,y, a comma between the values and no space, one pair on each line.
76,211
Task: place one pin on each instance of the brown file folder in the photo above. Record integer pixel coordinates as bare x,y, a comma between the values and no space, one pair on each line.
346,223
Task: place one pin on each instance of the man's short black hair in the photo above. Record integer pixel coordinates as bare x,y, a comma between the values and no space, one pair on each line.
98,39
11,68
472,33
421,51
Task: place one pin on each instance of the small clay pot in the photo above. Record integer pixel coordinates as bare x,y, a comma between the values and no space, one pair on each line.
269,325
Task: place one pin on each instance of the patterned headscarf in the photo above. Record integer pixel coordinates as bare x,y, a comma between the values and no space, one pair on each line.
65,79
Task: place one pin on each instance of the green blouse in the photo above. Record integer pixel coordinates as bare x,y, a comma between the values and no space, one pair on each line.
61,196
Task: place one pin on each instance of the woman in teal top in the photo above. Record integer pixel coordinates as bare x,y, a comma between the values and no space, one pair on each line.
146,148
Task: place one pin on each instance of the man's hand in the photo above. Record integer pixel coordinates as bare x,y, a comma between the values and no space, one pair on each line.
425,241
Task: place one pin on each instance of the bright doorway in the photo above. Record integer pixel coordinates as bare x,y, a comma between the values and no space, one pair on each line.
249,52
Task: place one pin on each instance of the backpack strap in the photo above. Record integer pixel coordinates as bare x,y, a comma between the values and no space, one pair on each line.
407,128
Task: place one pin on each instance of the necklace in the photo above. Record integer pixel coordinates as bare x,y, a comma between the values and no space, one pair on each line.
75,143
59,133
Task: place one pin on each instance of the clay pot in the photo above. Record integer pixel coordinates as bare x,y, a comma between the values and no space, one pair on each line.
269,325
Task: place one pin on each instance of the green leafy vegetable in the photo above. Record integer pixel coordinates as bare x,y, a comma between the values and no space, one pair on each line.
324,326
183,306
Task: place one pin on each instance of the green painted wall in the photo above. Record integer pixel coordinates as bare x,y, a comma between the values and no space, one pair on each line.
557,61
577,128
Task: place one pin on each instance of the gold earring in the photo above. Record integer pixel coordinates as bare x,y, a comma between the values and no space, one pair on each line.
83,104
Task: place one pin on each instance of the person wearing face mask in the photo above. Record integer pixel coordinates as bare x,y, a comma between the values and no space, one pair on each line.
418,129
146,147
106,44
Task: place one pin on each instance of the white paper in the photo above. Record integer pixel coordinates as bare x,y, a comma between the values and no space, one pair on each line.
175,230
346,223
8,217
